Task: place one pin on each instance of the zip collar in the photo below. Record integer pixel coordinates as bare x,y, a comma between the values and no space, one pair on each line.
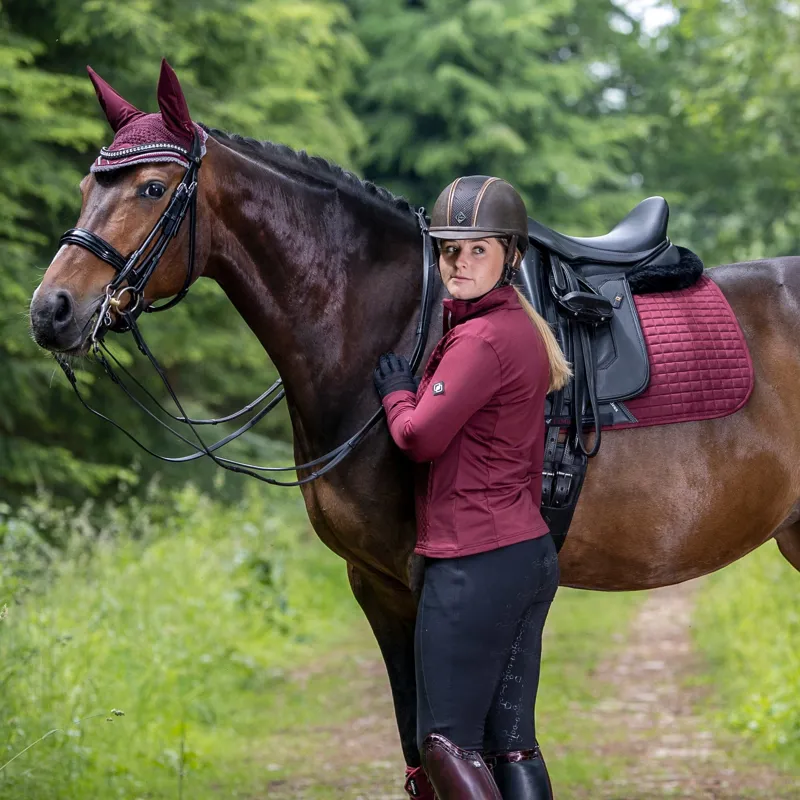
457,311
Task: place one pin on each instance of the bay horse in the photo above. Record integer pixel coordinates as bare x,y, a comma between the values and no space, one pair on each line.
326,271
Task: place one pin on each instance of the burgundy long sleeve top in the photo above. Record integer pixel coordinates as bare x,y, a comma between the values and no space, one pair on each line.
476,425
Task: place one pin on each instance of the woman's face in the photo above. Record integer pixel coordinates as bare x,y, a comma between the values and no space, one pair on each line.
471,267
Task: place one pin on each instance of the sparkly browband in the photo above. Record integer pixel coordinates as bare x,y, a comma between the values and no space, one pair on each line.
157,152
106,153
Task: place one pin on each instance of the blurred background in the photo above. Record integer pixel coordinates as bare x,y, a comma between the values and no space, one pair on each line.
201,606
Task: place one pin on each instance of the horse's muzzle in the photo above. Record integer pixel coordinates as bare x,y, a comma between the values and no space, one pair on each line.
56,323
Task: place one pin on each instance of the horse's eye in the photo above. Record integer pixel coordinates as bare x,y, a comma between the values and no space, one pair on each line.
154,190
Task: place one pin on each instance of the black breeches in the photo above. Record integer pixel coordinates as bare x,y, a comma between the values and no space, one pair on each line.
478,645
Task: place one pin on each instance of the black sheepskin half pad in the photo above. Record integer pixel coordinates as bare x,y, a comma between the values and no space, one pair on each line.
651,278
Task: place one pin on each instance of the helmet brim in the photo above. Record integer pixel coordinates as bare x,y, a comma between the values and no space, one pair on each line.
466,233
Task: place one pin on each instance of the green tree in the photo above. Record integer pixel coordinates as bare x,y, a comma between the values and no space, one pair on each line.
722,85
516,89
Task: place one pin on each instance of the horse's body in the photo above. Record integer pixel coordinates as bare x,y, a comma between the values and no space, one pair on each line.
327,274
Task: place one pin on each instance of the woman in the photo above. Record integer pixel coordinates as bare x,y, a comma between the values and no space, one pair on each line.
491,570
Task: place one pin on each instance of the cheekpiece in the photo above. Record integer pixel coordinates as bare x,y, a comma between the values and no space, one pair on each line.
146,139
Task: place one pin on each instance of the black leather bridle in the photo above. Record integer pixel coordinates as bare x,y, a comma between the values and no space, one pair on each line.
133,274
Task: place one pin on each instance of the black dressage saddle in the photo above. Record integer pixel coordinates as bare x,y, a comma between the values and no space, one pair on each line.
640,236
583,287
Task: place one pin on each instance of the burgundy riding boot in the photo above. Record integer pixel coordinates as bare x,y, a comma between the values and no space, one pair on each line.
521,775
417,784
457,774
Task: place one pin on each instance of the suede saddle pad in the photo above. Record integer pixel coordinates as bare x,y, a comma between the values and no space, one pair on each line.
700,367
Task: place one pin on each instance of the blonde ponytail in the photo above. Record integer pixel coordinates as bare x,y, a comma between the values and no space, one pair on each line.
560,371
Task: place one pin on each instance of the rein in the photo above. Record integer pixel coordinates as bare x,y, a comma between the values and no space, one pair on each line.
136,270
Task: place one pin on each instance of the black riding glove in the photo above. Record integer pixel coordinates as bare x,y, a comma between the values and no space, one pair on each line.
392,374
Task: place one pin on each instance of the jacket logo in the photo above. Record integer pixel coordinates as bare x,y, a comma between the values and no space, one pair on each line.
438,387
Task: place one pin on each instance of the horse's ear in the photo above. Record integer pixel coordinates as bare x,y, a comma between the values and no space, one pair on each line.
174,110
118,111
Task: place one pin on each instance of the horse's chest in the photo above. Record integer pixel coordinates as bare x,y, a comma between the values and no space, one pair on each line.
338,518
363,527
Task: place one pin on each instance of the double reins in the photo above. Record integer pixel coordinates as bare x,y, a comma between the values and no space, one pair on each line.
133,274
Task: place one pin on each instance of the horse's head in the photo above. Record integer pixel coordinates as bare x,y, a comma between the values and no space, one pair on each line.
130,186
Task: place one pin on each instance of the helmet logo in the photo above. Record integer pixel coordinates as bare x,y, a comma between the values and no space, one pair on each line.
460,217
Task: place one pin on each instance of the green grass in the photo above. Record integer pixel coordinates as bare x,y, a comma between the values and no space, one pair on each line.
230,641
748,626
189,634
583,629
344,746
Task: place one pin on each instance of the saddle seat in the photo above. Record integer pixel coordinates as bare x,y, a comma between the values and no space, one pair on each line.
639,237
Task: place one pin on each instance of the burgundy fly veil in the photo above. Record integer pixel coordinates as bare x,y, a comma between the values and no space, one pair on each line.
169,136
141,138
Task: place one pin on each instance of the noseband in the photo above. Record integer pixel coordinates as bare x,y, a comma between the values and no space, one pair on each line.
133,274
136,270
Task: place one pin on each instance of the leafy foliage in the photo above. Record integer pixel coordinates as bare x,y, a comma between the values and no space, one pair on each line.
513,89
722,91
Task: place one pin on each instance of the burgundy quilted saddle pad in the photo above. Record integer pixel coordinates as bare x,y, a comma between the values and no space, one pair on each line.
700,367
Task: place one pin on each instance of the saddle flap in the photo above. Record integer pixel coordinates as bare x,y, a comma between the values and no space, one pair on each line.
620,355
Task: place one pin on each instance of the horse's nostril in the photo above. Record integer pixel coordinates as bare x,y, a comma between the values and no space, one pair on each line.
62,309
53,320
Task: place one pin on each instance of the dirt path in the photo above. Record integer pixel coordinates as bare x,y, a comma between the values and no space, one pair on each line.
646,726
357,760
653,722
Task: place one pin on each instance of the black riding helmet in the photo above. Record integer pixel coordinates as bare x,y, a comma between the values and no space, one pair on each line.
479,206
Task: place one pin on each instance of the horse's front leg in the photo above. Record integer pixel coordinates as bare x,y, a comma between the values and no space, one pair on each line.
391,611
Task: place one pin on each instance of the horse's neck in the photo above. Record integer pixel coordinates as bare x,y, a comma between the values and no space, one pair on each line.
324,292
